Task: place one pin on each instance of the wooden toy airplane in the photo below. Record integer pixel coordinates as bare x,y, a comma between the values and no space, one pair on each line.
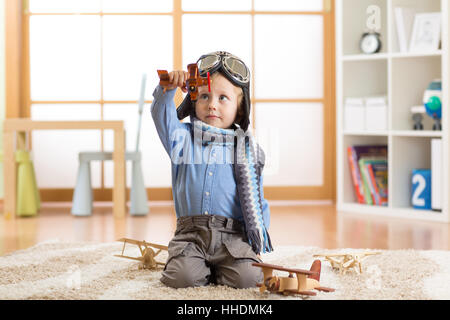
347,261
148,254
192,83
301,284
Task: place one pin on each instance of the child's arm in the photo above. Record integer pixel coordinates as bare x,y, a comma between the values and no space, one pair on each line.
164,113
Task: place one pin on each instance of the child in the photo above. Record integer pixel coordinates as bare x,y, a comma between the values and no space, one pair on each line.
222,216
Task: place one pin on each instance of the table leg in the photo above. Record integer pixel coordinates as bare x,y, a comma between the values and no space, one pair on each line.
9,172
119,196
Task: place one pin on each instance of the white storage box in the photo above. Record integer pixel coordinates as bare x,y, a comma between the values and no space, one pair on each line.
354,114
376,114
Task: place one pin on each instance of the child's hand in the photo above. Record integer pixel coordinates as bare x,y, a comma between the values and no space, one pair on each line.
177,78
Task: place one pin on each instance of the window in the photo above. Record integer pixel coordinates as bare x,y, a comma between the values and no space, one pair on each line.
87,58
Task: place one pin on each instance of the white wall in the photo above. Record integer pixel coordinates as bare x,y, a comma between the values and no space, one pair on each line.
2,84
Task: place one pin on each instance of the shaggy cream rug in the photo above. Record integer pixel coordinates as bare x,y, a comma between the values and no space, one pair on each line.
67,270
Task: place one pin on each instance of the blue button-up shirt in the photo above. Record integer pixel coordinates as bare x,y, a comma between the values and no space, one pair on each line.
200,187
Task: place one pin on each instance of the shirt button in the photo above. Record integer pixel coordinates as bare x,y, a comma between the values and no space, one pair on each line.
210,173
206,212
207,193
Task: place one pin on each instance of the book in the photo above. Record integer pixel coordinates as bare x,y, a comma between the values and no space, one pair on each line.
355,153
374,189
356,177
404,20
377,175
370,192
380,172
436,174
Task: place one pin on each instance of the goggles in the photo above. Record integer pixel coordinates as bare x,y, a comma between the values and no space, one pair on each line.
234,67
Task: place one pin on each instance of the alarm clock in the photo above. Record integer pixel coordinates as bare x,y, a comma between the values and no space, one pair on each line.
370,42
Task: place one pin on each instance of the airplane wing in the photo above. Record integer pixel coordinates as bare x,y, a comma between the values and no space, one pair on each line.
157,246
136,242
163,75
368,253
303,292
280,268
143,243
331,255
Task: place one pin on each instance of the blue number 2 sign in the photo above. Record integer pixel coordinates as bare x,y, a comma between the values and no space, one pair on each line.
421,189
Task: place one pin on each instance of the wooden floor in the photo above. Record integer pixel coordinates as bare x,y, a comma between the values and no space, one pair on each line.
299,225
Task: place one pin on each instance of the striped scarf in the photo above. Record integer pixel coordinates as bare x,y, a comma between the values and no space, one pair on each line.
248,165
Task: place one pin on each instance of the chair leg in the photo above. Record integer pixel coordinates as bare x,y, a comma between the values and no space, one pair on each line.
138,194
83,194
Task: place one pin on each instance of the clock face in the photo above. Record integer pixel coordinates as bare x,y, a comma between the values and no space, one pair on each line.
370,43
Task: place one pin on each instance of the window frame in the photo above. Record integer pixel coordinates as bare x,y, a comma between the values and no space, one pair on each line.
18,101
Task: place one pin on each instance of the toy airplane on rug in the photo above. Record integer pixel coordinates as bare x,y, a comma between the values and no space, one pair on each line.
347,261
148,254
301,284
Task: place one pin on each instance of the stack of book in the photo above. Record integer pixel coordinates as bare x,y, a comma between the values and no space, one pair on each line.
369,171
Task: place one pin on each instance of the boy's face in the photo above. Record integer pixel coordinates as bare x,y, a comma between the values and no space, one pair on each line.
219,107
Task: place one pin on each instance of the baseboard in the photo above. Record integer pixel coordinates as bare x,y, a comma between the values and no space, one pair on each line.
276,195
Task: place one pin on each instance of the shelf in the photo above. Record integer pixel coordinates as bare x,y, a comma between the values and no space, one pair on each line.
392,212
417,133
363,78
362,208
363,57
397,133
393,55
354,24
403,77
409,80
366,133
398,55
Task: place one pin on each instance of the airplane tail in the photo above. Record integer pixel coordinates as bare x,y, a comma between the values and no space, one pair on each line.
315,267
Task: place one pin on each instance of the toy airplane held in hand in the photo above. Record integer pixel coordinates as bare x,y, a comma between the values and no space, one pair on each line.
148,254
302,284
347,261
192,83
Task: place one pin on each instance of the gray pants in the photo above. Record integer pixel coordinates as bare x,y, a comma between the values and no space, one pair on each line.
210,249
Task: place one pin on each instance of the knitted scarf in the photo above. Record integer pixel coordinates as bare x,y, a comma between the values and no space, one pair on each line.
248,163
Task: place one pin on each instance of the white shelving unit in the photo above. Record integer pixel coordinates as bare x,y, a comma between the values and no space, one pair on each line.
402,77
